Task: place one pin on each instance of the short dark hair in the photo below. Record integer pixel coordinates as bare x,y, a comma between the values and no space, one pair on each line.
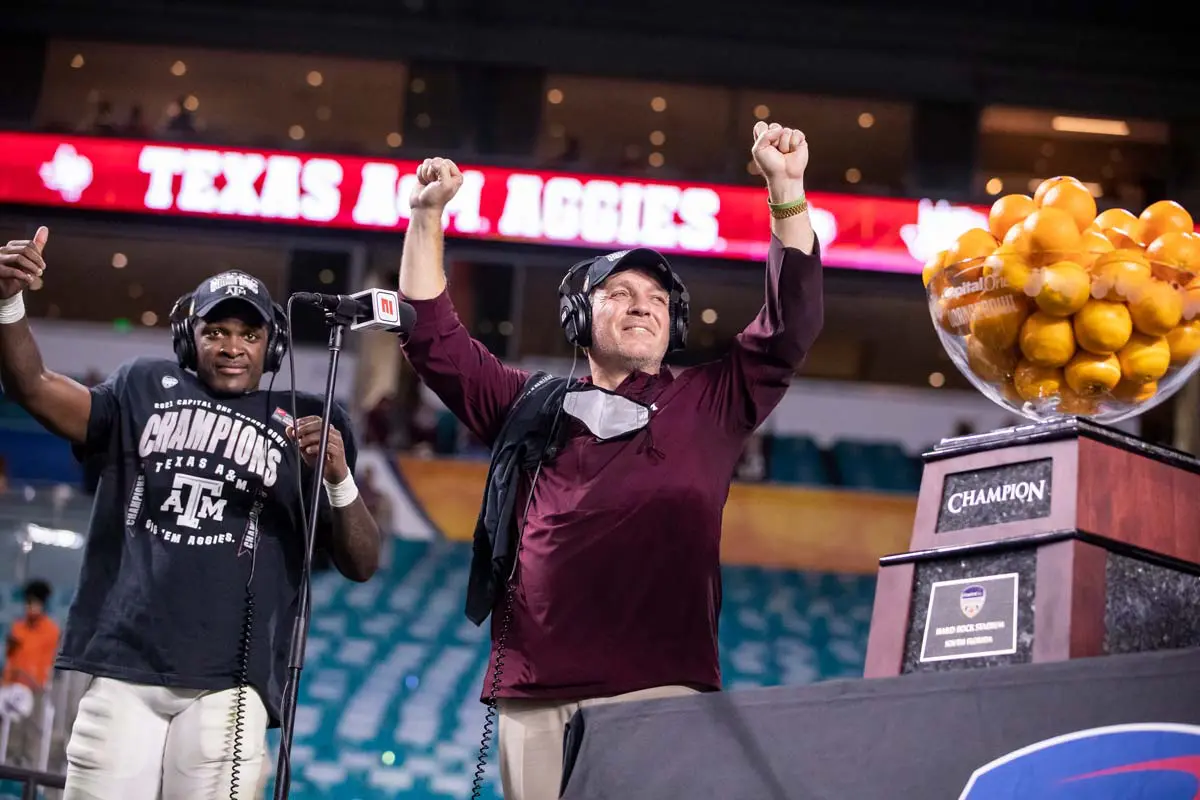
37,590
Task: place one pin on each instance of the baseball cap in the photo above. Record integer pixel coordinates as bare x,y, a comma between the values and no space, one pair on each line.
639,258
232,285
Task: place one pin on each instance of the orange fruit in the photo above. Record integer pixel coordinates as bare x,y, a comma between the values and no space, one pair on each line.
1046,340
997,317
1184,342
1191,299
1102,326
1116,219
1010,210
1051,230
1075,199
1156,308
1179,249
1134,393
1119,274
990,364
974,244
1144,358
1008,265
1089,374
1162,217
1061,288
1045,186
1092,245
1035,382
932,267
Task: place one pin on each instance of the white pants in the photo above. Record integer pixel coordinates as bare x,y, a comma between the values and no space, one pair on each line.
135,742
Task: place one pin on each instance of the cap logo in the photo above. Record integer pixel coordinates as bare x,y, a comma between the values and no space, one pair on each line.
234,285
617,256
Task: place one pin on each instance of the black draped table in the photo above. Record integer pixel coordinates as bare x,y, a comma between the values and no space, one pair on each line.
1124,727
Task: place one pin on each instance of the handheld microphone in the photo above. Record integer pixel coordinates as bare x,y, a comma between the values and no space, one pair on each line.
370,309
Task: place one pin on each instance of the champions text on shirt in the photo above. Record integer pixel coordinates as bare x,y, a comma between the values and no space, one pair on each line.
195,488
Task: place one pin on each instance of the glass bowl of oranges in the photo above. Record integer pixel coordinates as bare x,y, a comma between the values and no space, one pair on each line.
1055,310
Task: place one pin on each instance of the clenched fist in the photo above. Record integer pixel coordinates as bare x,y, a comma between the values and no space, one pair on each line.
780,153
22,265
438,180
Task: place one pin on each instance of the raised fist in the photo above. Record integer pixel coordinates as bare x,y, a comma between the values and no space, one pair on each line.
21,264
438,180
780,153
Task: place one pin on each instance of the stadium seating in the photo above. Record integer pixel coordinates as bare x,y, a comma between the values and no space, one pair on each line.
390,696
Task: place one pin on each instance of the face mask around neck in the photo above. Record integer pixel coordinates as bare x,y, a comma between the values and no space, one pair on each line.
605,414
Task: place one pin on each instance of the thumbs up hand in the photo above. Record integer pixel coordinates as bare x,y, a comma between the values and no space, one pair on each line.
22,265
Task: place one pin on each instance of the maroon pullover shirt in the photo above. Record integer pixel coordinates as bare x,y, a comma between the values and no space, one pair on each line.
618,583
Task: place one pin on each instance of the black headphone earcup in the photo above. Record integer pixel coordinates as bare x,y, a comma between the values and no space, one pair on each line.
277,345
583,319
575,316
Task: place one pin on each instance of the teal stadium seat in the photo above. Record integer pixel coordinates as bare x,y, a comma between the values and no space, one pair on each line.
797,460
390,694
875,466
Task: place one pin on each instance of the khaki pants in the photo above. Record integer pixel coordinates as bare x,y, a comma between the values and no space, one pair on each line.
531,740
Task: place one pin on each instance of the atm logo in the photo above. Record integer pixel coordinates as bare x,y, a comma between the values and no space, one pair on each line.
1159,760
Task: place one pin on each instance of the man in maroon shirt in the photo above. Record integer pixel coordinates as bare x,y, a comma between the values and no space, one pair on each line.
617,588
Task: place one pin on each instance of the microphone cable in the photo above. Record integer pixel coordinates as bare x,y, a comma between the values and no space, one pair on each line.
490,721
306,570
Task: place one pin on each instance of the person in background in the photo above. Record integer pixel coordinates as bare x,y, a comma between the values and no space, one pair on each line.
30,647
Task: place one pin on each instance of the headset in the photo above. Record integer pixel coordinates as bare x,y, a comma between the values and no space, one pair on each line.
575,307
183,335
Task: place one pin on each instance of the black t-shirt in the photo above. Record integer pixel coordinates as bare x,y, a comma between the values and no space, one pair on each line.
195,489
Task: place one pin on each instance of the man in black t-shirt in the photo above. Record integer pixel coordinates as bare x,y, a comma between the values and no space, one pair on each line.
189,585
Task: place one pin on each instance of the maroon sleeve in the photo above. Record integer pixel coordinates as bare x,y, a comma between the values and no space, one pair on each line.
741,389
475,385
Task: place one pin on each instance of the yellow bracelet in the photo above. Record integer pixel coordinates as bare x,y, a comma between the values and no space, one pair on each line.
785,210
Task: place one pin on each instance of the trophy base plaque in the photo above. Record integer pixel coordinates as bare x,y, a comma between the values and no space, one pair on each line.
1041,543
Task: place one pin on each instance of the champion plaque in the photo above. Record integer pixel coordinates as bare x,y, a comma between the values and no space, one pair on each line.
971,617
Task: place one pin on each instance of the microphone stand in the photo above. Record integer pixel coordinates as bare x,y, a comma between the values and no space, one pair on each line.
337,320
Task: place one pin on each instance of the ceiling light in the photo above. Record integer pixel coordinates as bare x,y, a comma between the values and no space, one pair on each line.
191,102
149,319
296,132
937,380
994,186
659,104
657,138
708,316
762,111
77,61
853,175
554,96
325,276
656,159
179,69
417,86
315,78
1098,127
394,139
866,119
119,261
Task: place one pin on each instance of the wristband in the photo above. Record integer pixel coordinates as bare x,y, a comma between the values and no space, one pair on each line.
12,309
341,494
785,210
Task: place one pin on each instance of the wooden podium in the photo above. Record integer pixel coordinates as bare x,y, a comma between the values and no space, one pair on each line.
1041,543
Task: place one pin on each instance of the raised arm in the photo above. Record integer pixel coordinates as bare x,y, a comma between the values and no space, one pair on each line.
60,404
475,385
750,381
